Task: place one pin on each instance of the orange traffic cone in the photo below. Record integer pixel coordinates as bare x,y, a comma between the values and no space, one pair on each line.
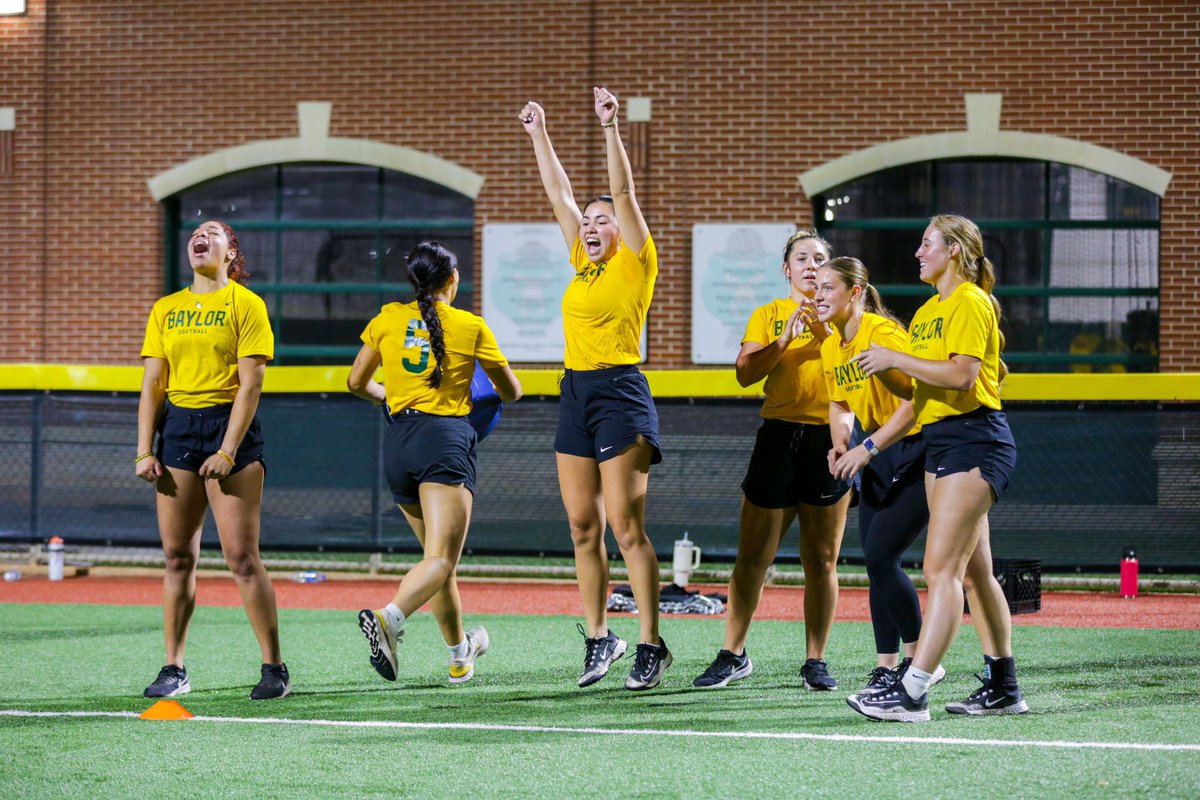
166,709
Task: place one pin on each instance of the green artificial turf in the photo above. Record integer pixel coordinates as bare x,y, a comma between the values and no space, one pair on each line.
1083,686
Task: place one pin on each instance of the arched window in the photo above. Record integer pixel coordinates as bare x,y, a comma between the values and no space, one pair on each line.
1076,252
324,245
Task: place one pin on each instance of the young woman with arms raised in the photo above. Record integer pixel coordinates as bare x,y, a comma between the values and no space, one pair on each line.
607,435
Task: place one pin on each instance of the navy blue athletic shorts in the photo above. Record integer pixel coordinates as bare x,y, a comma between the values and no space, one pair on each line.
790,465
187,437
963,442
426,448
603,411
888,472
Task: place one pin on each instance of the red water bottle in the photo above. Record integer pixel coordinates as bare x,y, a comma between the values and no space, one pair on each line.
1129,573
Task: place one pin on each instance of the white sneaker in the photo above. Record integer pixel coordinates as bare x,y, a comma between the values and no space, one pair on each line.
382,640
463,669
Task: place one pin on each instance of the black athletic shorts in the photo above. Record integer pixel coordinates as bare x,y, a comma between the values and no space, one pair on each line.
425,448
603,411
790,465
188,436
980,439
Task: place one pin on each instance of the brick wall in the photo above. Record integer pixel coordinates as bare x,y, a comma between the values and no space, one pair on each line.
747,95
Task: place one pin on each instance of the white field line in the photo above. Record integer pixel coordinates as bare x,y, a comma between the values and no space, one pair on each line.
479,726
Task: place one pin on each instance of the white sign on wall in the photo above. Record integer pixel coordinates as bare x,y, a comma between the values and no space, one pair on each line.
735,269
526,269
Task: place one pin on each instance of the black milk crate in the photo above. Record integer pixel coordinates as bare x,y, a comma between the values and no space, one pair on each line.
1021,580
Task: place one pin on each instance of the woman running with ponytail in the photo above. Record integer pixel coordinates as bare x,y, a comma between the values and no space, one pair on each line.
428,350
953,359
887,462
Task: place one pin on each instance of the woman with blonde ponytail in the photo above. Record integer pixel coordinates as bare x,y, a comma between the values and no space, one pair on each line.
877,446
953,360
428,350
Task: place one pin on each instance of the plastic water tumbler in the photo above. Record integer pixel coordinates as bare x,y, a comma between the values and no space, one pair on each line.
309,577
1129,573
54,558
686,558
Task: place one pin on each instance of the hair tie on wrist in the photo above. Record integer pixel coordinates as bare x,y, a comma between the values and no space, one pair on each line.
225,456
142,457
612,124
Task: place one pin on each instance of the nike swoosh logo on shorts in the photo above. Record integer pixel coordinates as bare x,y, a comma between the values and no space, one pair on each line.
827,496
606,449
939,469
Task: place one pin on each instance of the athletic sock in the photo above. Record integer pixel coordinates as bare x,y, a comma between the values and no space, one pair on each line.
1001,671
394,617
459,650
916,682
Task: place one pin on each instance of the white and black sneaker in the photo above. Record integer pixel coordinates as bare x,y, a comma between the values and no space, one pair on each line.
727,668
891,705
382,640
172,681
990,700
880,678
275,683
816,677
599,653
648,665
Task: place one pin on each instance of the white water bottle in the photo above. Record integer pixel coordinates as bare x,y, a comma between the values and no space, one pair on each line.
55,558
686,558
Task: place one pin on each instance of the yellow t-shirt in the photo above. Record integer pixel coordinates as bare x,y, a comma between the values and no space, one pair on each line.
399,335
605,307
202,336
869,399
964,323
795,390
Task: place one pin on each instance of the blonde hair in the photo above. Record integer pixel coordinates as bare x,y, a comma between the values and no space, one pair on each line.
800,236
970,263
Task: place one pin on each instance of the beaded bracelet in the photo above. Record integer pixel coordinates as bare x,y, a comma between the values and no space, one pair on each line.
612,124
225,456
142,457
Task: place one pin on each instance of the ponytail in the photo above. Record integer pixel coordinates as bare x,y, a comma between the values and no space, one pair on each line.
430,265
237,270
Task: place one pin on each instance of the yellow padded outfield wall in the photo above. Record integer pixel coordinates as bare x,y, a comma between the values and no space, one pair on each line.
663,383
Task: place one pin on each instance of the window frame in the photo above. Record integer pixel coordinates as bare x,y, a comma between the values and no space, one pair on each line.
1046,225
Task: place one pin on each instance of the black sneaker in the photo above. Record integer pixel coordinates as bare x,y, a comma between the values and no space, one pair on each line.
171,682
815,673
599,654
990,700
891,705
880,678
275,683
727,668
648,665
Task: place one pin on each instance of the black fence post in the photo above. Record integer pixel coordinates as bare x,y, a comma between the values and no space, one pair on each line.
35,468
376,506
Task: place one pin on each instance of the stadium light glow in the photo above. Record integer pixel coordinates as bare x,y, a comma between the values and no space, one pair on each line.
12,8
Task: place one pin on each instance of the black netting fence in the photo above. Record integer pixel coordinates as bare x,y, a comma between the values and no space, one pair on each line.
1092,479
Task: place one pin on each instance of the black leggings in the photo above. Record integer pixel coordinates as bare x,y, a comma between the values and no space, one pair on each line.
886,532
